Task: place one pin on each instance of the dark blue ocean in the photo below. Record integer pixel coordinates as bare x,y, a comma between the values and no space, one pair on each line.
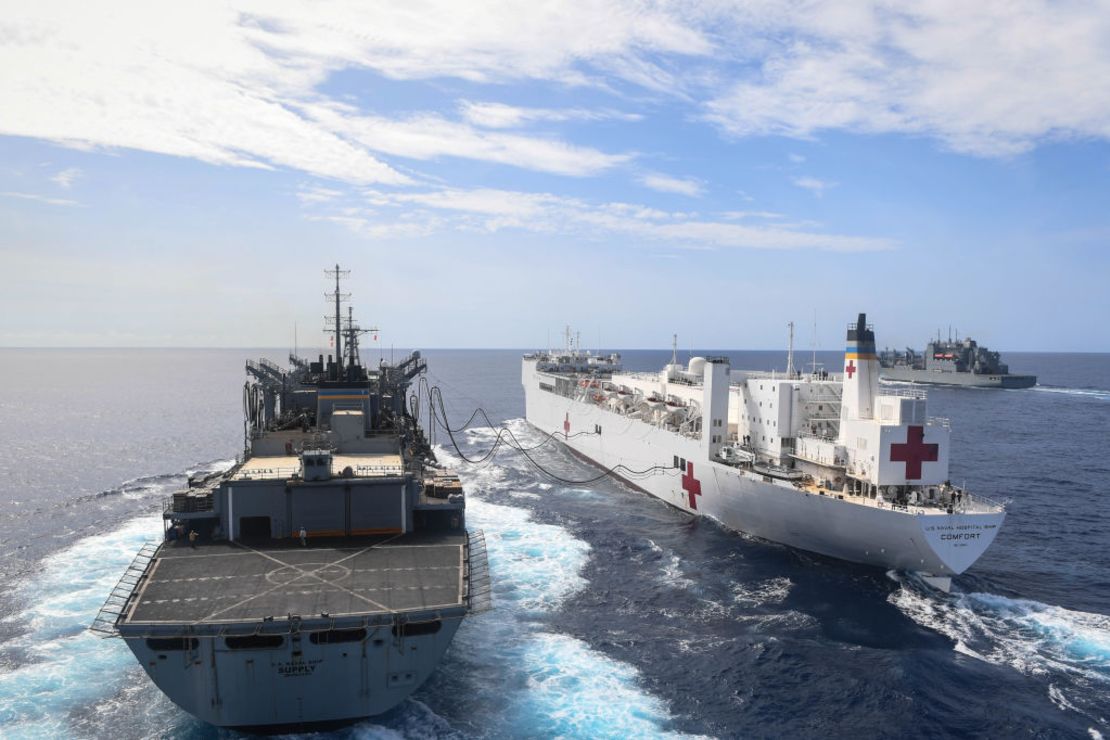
615,616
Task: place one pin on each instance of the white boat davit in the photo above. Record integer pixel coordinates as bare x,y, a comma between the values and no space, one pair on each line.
827,463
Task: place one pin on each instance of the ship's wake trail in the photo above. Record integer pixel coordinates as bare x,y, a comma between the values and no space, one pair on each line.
60,679
548,684
1100,394
65,678
1068,649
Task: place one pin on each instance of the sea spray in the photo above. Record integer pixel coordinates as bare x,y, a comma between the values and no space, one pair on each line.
63,664
564,688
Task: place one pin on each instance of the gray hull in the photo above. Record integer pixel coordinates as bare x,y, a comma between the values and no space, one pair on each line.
967,380
297,683
321,578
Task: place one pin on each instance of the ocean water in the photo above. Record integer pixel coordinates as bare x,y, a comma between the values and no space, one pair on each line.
615,615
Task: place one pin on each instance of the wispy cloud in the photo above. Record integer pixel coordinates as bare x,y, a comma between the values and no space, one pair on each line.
317,194
501,115
67,177
814,185
667,184
253,99
738,215
491,210
428,136
40,199
992,78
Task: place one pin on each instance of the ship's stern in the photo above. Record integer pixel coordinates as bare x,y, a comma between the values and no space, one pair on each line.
957,540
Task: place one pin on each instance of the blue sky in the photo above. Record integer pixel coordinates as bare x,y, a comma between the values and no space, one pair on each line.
493,171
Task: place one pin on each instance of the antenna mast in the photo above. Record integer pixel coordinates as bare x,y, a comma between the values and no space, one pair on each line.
790,352
353,332
674,349
814,342
339,298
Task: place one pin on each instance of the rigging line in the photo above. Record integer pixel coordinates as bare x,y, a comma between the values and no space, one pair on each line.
424,386
505,436
438,395
502,430
504,433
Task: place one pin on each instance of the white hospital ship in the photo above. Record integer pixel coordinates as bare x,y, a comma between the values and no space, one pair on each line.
828,463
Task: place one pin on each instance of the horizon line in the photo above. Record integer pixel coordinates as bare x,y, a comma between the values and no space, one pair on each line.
797,352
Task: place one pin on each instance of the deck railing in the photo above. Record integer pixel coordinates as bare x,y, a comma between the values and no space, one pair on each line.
918,393
183,503
479,590
105,622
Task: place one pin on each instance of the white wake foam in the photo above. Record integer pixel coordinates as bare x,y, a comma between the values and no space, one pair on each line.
772,591
535,567
1071,648
574,691
62,665
567,689
1096,393
672,574
1031,637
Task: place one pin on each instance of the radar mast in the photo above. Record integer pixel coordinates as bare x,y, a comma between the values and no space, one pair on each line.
339,297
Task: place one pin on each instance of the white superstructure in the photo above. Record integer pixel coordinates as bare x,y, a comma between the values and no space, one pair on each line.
827,463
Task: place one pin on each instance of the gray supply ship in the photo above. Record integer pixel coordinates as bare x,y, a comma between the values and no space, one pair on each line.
322,577
964,363
828,463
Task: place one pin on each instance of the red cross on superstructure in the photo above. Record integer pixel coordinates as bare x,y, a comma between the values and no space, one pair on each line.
851,369
566,425
914,451
691,485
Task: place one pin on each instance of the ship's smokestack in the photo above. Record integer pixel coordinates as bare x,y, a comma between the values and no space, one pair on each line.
861,372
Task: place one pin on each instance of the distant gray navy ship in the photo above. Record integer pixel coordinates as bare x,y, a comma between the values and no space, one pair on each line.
951,362
322,577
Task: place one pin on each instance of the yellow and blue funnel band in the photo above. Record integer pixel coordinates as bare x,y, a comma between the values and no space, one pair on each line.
860,351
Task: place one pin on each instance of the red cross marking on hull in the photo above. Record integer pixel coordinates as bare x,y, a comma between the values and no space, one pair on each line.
691,485
851,369
566,425
914,451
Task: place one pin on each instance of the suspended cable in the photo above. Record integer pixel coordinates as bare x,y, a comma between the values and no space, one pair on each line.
506,437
